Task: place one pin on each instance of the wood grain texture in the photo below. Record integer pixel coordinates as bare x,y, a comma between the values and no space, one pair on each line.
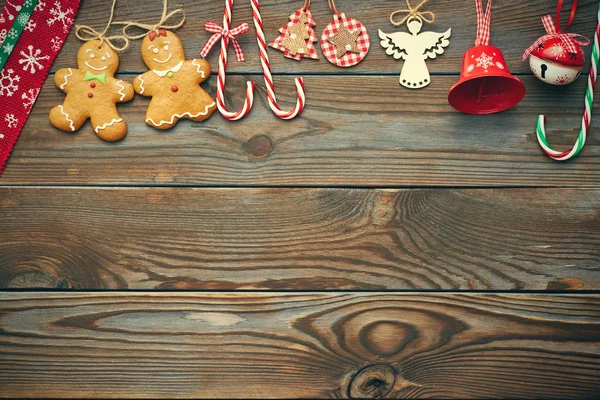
516,25
312,345
299,239
356,131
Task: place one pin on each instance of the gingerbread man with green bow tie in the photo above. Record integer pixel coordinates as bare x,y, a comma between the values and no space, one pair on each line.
92,93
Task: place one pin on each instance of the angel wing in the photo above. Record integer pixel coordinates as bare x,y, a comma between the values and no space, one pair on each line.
433,43
395,44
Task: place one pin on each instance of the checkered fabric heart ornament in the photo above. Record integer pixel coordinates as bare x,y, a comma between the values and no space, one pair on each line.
345,41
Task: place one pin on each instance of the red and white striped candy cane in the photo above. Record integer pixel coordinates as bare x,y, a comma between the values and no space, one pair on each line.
266,66
232,116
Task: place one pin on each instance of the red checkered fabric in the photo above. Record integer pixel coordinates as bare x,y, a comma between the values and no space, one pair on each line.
229,35
572,41
349,59
484,20
294,19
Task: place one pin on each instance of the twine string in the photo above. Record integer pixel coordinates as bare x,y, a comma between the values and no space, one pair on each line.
87,33
161,24
413,12
332,7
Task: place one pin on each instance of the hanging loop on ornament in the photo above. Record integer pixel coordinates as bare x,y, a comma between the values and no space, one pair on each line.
571,15
333,8
570,40
87,33
157,28
266,66
484,21
306,5
412,13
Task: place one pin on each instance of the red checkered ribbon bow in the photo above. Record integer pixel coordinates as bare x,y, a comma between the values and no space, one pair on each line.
220,32
570,40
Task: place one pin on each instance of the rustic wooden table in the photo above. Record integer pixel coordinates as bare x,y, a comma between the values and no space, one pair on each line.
380,245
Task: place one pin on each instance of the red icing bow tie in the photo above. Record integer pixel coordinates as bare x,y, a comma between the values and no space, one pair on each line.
227,35
152,35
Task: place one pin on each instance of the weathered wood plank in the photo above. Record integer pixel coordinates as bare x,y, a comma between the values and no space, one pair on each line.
306,239
516,25
355,131
299,345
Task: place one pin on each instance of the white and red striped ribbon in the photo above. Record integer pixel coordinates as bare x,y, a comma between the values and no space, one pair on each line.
484,20
241,113
266,66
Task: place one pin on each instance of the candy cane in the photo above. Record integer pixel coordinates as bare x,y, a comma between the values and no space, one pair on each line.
232,116
587,114
266,66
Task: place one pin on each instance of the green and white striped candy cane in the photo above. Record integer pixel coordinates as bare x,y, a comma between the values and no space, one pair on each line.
587,114
17,28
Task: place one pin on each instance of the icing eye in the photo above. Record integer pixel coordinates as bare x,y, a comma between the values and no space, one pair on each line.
166,48
92,56
155,51
103,58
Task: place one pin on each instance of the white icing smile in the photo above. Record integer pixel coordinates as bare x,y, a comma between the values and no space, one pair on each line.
95,69
165,61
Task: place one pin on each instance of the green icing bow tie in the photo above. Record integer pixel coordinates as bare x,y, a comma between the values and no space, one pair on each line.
100,78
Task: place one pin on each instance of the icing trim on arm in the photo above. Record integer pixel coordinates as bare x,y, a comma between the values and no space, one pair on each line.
141,84
69,120
111,123
198,68
67,78
122,90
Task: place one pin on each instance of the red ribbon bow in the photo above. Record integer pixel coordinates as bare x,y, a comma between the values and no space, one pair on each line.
152,35
570,40
227,34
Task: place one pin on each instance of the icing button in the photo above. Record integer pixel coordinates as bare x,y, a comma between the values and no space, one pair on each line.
170,74
174,88
92,85
90,95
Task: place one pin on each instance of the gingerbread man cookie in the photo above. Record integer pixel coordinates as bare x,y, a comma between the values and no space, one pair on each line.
92,92
173,82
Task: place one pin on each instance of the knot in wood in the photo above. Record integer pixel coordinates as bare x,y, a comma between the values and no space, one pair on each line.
373,382
259,146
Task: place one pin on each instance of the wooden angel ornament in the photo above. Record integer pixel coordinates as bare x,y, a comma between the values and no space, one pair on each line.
414,47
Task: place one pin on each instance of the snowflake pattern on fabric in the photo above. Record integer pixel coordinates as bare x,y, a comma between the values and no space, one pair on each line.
22,19
40,6
484,61
60,15
11,120
56,43
1,136
8,82
8,48
12,34
29,98
32,60
30,26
